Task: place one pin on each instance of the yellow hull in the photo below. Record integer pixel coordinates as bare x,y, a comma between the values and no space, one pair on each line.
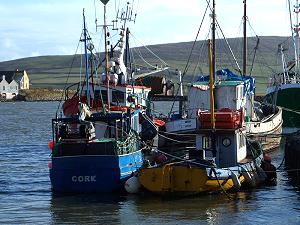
179,179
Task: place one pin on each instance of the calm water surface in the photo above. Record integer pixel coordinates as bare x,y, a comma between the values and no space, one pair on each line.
26,197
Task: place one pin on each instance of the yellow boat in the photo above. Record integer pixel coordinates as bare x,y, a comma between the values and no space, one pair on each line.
233,163
183,179
222,158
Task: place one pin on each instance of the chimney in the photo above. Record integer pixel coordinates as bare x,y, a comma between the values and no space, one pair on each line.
3,77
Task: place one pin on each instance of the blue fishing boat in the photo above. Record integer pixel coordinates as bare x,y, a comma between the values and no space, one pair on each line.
102,133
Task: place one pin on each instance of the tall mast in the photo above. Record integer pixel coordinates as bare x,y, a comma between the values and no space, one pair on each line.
296,31
212,64
211,85
245,40
127,55
86,61
214,39
123,55
106,54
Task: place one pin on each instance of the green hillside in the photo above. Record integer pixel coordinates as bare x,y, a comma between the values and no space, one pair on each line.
56,71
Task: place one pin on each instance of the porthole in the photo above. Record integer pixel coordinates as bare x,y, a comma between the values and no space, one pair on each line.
226,142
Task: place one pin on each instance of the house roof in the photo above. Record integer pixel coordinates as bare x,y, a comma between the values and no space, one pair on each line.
12,75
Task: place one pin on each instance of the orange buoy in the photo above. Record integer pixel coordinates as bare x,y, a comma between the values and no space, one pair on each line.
51,144
159,123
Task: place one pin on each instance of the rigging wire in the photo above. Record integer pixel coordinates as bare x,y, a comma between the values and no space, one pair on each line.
68,76
95,13
138,52
190,55
217,23
291,25
201,50
186,67
254,56
194,43
80,70
225,50
235,60
150,50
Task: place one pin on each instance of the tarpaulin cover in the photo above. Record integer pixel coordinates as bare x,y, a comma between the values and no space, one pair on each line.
227,75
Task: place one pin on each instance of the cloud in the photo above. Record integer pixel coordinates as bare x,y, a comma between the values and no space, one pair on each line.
39,27
7,43
54,27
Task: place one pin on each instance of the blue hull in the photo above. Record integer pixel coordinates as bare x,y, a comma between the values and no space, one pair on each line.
93,173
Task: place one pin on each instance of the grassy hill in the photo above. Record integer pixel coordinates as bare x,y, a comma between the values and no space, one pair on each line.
56,71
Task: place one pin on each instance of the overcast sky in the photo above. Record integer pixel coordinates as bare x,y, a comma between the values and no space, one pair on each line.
53,27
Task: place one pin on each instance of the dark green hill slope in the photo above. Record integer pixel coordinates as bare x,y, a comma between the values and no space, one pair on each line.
52,71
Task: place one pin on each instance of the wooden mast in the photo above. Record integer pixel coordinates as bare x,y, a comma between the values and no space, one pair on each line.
211,85
212,65
214,39
245,40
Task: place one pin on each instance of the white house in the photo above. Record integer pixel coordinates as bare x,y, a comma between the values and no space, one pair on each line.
11,82
8,90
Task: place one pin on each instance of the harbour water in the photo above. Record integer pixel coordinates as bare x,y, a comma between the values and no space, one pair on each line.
26,197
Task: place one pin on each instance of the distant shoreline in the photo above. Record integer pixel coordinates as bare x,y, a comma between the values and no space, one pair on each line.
38,95
50,94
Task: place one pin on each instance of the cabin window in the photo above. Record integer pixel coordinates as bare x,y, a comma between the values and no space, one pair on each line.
206,142
241,91
242,140
135,122
140,98
3,88
103,93
118,96
237,92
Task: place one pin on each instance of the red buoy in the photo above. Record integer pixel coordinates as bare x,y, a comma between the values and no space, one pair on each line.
51,144
159,123
267,158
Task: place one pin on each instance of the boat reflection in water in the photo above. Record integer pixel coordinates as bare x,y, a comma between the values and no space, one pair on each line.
85,209
116,209
292,158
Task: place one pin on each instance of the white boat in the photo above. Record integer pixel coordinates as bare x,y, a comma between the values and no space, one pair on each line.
284,88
